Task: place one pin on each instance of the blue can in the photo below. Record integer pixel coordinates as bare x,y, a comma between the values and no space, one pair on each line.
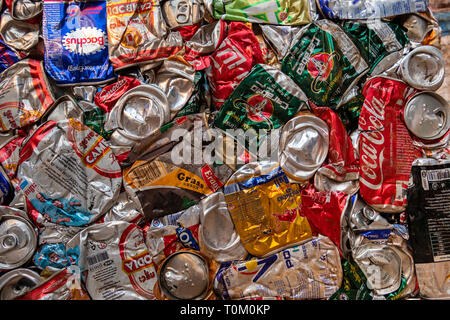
76,42
7,56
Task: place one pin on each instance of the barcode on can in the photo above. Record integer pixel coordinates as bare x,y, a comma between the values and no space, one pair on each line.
96,258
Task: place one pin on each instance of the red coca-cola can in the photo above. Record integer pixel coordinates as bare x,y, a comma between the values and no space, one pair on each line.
386,148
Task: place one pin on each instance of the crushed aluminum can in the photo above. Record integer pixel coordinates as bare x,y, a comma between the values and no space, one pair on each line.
18,240
110,94
323,71
386,150
304,143
428,216
25,94
279,38
9,155
84,93
176,78
381,265
169,234
340,171
265,208
75,39
115,261
63,285
17,282
63,108
417,27
125,209
182,13
184,275
264,100
364,218
19,35
375,39
75,180
238,49
137,33
325,211
427,115
424,68
311,270
284,12
369,9
26,9
138,114
218,239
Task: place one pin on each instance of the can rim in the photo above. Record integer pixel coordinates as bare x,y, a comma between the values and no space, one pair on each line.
20,273
446,106
162,266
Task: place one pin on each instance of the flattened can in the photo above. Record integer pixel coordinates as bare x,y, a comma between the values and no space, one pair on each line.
428,214
26,9
17,282
369,9
75,39
265,208
182,13
75,180
303,147
218,238
8,56
386,150
324,62
25,94
115,261
284,12
424,68
19,35
184,275
18,240
427,115
62,285
137,33
311,270
340,171
139,113
6,188
264,100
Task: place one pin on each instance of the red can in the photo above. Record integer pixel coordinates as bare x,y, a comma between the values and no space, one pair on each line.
386,148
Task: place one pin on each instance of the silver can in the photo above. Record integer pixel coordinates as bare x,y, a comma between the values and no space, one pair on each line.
65,107
304,145
25,94
424,68
19,35
427,115
218,238
184,275
17,282
138,114
417,27
181,13
26,9
18,241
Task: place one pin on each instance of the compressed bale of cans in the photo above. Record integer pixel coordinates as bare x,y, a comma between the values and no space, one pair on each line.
224,150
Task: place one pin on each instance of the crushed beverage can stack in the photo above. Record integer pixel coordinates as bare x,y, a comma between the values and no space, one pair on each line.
224,150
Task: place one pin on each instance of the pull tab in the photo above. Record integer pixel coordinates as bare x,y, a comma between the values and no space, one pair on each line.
183,12
8,242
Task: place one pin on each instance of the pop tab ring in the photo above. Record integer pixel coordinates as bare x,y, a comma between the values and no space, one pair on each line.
426,115
141,111
304,146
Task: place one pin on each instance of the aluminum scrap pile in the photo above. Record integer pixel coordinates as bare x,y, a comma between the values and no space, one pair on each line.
209,149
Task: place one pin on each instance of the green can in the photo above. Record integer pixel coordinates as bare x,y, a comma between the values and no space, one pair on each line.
264,100
280,12
324,62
